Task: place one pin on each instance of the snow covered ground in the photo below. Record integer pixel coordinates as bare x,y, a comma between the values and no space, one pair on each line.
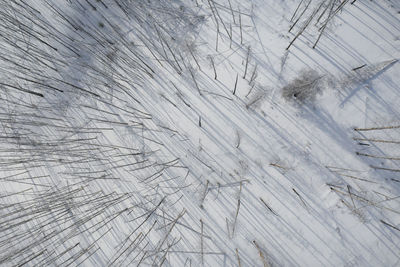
199,133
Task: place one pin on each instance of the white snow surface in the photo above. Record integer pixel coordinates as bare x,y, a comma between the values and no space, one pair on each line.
187,133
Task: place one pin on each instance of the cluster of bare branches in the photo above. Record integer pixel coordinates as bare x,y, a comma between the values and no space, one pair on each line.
359,190
315,14
379,147
304,88
87,172
81,165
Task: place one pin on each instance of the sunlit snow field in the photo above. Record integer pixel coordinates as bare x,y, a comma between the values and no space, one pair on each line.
199,133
